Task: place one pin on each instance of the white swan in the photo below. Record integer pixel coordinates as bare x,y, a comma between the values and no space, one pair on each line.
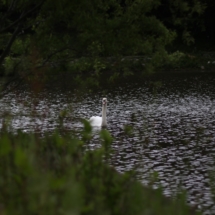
100,121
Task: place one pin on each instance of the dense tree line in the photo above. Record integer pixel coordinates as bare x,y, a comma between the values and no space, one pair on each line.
81,34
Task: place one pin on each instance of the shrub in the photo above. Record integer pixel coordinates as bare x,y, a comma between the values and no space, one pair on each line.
55,175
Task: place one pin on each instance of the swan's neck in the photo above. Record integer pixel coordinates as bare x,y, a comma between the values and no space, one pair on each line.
104,120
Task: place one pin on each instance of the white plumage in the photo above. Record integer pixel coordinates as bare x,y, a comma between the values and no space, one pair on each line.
100,121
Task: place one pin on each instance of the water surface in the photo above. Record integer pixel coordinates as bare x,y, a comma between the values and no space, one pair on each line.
173,127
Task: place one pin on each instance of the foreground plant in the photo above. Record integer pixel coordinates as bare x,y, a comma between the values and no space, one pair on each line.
55,175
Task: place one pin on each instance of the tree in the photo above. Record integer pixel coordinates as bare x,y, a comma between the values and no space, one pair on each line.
89,35
185,17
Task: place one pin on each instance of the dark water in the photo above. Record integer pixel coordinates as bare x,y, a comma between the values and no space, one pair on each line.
173,127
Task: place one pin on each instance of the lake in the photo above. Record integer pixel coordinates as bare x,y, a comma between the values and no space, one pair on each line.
172,124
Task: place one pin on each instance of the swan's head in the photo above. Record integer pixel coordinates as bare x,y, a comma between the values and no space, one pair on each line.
104,101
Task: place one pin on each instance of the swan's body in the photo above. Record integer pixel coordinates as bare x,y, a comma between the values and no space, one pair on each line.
100,121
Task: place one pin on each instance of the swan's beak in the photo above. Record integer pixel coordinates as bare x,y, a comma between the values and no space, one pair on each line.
104,101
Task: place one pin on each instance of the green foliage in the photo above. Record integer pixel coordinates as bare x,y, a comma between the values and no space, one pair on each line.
55,175
83,32
90,38
186,17
180,60
129,129
86,134
176,59
9,65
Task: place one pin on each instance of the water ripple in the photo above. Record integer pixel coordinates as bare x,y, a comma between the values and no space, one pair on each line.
173,129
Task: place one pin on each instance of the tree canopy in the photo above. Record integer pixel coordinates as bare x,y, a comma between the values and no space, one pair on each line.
86,35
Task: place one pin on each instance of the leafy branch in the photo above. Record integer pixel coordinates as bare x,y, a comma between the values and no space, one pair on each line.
22,17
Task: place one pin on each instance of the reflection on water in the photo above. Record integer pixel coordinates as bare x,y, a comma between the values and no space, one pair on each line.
174,128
